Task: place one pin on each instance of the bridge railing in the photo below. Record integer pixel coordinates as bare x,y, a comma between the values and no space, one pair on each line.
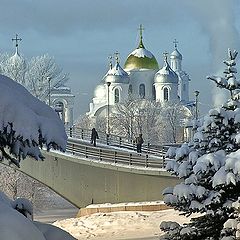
115,157
118,141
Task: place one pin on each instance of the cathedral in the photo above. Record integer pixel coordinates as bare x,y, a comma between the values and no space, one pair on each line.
141,77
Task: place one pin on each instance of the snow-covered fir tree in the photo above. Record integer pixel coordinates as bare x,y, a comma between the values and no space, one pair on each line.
26,125
209,167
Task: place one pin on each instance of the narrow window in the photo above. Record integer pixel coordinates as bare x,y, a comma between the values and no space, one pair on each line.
153,93
130,89
165,94
142,91
59,108
116,95
184,87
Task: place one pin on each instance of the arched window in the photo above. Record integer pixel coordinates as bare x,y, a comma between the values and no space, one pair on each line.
142,91
59,108
130,89
116,95
165,94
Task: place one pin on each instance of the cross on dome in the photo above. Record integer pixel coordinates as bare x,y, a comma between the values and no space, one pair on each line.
117,59
16,39
110,61
141,29
116,56
175,43
165,54
141,36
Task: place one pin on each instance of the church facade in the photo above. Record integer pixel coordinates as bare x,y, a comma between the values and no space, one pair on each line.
141,77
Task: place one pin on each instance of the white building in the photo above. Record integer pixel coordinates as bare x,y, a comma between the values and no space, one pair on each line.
141,77
61,98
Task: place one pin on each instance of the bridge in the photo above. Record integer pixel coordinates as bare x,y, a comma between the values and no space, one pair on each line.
85,174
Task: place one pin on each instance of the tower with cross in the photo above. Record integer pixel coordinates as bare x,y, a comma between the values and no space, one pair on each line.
176,65
176,58
166,83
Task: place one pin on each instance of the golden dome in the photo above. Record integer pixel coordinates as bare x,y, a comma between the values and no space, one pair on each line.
141,58
134,62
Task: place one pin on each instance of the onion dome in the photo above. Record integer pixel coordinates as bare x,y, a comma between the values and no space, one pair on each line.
176,54
116,74
140,58
100,91
17,59
166,74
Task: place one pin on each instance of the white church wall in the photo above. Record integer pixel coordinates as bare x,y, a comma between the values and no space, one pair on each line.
176,65
183,87
145,77
172,91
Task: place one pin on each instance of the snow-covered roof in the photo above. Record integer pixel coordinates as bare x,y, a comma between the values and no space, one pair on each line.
116,75
17,59
176,54
166,75
141,53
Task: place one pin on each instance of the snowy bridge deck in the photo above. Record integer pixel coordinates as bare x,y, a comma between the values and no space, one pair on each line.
86,174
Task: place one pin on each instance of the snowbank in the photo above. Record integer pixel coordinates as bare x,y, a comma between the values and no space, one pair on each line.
119,225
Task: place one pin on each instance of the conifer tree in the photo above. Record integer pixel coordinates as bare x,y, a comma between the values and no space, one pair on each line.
209,167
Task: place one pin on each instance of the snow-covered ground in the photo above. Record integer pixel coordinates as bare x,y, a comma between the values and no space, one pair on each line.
119,225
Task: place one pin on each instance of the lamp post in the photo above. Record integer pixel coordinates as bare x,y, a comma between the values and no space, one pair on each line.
108,110
196,103
49,90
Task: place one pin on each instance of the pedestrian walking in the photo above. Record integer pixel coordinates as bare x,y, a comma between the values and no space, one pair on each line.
94,136
139,142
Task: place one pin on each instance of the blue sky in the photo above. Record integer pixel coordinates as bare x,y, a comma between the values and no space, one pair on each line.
80,34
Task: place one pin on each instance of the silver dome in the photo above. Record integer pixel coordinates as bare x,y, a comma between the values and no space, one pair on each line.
116,75
166,75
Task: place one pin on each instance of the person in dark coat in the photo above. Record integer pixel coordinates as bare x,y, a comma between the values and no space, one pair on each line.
94,136
139,142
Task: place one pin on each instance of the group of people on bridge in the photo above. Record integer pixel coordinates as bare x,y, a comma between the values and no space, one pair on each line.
139,140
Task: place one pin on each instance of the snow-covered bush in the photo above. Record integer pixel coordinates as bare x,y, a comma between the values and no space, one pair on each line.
209,167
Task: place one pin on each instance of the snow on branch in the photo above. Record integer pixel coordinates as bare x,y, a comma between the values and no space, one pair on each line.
26,124
209,167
